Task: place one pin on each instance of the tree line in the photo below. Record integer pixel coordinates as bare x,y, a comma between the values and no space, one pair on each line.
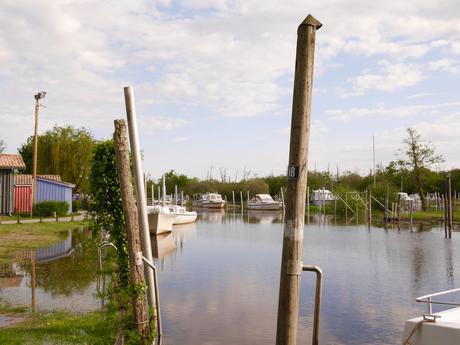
70,151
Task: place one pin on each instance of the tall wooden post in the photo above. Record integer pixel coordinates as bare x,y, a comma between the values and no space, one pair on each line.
291,262
369,207
387,200
120,140
449,204
140,197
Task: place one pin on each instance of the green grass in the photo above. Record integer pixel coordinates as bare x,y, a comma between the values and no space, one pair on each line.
14,237
61,328
431,215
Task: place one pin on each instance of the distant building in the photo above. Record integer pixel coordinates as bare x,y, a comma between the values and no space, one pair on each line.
49,188
9,163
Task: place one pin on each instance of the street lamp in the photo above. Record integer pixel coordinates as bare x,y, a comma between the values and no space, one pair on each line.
40,95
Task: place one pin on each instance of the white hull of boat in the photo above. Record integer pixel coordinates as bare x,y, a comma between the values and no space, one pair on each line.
207,204
188,218
275,206
160,223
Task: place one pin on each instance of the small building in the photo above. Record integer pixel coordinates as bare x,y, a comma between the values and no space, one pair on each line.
9,163
23,191
49,188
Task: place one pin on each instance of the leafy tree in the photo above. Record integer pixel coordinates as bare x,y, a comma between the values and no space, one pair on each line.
63,150
419,157
2,145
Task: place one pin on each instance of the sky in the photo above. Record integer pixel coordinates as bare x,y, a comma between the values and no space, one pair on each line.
213,80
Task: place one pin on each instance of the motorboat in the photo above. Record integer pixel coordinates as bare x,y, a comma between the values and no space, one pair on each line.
434,328
160,219
264,202
212,200
322,196
182,215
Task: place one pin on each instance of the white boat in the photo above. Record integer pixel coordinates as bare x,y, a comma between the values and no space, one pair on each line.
264,202
212,200
440,328
182,215
160,219
322,196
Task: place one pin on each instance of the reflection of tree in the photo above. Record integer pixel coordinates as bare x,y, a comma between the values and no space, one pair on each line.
72,274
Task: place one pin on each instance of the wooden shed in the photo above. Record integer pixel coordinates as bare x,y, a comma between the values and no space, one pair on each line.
23,191
9,163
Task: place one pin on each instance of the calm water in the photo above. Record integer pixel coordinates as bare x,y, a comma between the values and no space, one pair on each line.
219,278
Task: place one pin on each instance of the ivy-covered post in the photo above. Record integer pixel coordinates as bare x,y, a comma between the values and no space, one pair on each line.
120,141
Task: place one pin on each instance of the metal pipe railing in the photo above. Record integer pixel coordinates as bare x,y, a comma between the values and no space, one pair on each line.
428,299
157,295
316,317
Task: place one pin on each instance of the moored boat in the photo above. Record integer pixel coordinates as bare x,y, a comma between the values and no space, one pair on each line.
210,200
182,215
264,202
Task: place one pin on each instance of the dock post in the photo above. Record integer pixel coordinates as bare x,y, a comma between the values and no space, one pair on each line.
449,204
241,199
140,197
291,262
182,198
132,225
233,196
369,207
153,193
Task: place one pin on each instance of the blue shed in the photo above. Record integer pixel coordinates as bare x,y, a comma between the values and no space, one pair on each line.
49,190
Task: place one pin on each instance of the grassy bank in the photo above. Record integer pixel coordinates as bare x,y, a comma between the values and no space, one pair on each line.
15,237
60,328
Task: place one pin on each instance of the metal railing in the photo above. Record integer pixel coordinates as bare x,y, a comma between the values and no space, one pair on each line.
316,315
428,299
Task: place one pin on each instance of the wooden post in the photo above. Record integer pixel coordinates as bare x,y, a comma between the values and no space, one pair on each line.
369,207
153,193
387,200
132,226
34,164
449,204
282,196
247,201
308,205
241,200
291,262
175,195
233,196
140,197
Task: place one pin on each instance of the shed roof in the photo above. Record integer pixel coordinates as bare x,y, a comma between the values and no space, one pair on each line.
26,179
59,183
11,161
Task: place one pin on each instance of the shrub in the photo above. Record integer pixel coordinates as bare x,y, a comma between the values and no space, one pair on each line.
76,205
46,208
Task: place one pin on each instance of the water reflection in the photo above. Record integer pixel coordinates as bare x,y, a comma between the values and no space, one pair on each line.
60,276
220,284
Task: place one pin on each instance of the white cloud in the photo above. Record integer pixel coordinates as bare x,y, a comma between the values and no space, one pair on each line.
445,65
391,77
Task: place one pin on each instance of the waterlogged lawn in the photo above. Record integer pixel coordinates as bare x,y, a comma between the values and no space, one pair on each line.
60,328
15,237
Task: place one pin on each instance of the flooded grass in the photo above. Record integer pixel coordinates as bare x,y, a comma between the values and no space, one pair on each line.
60,328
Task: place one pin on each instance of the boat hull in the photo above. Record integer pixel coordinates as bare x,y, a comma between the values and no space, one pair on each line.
276,206
188,218
219,204
160,223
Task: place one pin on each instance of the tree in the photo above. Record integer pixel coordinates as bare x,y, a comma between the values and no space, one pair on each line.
63,150
419,157
2,145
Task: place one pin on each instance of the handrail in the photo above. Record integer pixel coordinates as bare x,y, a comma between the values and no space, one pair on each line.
319,279
427,299
157,295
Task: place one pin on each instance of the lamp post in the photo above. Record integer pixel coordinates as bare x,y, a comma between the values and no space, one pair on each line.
37,97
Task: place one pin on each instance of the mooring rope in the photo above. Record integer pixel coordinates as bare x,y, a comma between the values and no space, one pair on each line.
415,329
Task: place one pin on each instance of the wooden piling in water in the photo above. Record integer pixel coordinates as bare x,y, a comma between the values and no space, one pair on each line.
233,196
291,261
132,226
241,200
369,207
449,205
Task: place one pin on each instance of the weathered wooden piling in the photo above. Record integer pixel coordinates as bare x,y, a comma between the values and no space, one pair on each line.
449,205
291,261
369,207
241,200
132,226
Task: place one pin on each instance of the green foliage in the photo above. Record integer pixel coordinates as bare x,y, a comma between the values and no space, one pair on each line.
65,151
2,145
106,205
47,208
76,205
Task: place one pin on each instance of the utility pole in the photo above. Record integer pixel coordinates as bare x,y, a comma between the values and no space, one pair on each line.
373,156
291,262
37,97
140,191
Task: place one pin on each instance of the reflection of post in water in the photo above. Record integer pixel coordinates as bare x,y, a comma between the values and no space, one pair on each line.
33,278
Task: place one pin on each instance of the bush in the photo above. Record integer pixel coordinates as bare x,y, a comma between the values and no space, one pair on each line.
46,208
76,205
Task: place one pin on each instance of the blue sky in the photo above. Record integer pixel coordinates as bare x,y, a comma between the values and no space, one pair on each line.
213,79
